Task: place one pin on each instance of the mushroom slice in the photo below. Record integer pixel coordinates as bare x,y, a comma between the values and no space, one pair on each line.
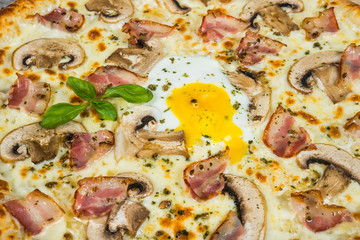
333,181
250,204
258,92
275,17
329,154
140,188
175,7
353,124
97,230
127,217
34,141
253,8
327,78
47,53
111,11
137,60
302,69
134,138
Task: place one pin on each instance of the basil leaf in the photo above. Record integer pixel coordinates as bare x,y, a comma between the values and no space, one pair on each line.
105,110
130,92
61,113
82,88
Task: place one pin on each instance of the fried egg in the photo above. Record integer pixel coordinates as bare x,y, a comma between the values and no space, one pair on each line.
195,96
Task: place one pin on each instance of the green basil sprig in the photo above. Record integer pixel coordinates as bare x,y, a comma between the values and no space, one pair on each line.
64,112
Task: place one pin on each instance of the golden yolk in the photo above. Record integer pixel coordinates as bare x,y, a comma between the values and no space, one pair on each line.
205,110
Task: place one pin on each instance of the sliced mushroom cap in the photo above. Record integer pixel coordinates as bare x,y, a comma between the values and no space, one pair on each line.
329,154
175,7
353,125
333,181
127,217
34,141
275,17
47,53
303,68
97,230
259,94
252,8
137,60
136,136
327,78
142,186
250,204
111,11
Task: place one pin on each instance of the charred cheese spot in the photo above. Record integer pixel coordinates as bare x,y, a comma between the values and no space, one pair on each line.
249,171
50,72
94,34
339,112
32,76
290,101
355,98
62,77
102,46
71,4
260,177
309,118
7,71
2,55
276,63
76,100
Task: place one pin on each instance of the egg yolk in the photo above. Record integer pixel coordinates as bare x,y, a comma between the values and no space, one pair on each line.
205,110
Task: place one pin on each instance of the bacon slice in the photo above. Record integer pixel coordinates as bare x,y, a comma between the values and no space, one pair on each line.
350,64
112,76
32,97
203,178
316,215
215,25
35,212
96,196
325,22
283,136
230,229
86,146
253,48
62,19
143,30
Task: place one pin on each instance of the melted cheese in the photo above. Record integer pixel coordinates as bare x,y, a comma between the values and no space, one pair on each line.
275,177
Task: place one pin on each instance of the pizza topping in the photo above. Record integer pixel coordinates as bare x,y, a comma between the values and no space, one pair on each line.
327,78
253,48
112,76
215,25
141,31
32,97
111,11
275,17
333,181
203,178
137,60
175,7
230,229
85,146
325,22
329,154
47,53
250,205
127,216
350,64
353,124
96,196
253,8
35,212
316,215
283,136
62,19
258,92
35,142
136,136
97,230
301,70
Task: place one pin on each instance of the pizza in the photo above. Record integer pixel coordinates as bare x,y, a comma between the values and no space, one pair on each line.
169,119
